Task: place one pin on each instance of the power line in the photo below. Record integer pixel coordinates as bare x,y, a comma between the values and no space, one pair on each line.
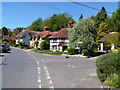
50,7
87,6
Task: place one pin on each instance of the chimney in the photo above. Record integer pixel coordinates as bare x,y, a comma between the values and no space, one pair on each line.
70,24
46,28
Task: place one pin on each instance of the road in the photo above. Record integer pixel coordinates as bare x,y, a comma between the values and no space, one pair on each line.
26,69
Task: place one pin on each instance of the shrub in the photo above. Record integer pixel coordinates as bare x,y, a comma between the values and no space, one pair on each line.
71,51
25,47
85,52
31,47
45,45
108,69
20,47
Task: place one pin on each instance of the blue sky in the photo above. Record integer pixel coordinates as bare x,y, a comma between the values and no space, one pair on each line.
22,14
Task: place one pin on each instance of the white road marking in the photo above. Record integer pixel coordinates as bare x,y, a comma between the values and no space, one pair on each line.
39,80
39,86
51,86
38,70
37,62
72,66
48,77
45,67
50,82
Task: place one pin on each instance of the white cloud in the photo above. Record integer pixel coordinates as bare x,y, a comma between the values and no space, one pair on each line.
60,0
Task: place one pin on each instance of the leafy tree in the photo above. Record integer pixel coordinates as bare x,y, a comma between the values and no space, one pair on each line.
58,21
5,31
44,45
114,22
17,30
37,25
81,17
83,31
103,29
100,17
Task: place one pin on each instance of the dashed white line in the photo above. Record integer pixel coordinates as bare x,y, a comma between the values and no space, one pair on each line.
48,78
39,81
38,70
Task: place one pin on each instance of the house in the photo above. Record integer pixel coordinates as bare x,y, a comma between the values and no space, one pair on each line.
59,41
39,37
25,36
111,38
7,37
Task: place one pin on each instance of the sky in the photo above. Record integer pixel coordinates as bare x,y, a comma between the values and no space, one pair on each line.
22,14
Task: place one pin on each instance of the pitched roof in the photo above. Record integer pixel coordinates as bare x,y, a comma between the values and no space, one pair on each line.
25,32
109,36
45,34
63,33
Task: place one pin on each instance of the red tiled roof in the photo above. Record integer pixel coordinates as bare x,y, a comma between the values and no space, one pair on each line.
8,37
63,33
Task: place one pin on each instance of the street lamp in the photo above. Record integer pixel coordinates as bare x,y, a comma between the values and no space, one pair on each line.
79,46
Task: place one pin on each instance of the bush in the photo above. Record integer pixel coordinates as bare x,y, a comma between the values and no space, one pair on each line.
85,52
108,69
14,45
31,47
71,51
25,47
45,45
20,47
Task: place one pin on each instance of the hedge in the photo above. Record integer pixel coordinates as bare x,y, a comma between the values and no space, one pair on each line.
108,69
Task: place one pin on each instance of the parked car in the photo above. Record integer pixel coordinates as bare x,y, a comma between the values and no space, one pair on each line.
8,47
4,48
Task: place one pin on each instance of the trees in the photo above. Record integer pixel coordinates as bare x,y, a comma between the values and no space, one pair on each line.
36,25
102,30
114,22
83,31
5,31
17,30
81,17
100,17
58,21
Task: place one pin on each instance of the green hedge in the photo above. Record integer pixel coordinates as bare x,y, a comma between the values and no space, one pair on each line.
108,69
71,51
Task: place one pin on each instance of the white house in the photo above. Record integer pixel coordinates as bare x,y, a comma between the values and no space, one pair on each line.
41,36
25,37
112,37
59,41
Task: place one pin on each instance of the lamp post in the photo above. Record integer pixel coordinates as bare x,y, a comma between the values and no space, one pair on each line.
79,46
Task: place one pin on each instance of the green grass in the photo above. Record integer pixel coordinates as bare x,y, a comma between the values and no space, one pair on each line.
47,53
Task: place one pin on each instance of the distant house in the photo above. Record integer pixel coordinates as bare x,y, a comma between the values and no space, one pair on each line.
7,37
59,41
111,38
25,36
39,37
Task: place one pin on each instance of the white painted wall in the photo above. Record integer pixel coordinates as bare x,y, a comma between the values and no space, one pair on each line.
26,40
56,43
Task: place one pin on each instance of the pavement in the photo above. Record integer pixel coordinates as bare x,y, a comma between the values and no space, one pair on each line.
26,69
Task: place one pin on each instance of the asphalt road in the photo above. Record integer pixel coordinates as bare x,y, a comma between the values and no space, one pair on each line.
26,69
